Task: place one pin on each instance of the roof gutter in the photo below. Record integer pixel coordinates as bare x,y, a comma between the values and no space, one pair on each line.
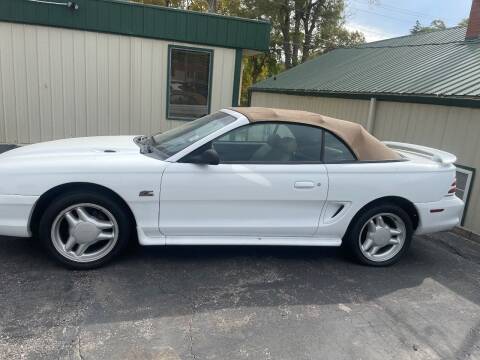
460,101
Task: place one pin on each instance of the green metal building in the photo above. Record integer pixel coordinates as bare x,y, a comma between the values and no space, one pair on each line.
102,67
422,89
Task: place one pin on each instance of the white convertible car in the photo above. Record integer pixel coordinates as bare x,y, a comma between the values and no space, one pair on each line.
241,176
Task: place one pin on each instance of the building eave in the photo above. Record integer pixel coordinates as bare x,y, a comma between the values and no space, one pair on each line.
460,101
134,19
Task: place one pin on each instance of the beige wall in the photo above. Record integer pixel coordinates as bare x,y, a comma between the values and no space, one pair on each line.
352,110
450,128
57,83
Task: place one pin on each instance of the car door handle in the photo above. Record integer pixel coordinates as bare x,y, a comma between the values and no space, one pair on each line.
304,185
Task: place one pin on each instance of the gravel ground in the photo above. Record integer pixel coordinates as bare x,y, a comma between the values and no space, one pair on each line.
243,303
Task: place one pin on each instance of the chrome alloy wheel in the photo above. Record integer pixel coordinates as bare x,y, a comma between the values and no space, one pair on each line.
84,232
382,237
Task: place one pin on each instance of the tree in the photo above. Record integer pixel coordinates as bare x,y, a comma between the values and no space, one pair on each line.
302,28
340,37
212,6
317,14
435,25
256,68
464,22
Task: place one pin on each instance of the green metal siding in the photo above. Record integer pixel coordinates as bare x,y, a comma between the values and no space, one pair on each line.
435,66
127,18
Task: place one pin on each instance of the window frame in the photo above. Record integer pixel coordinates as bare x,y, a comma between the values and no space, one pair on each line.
182,159
355,158
470,172
210,52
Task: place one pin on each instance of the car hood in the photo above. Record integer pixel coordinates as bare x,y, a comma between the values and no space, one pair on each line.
114,162
76,146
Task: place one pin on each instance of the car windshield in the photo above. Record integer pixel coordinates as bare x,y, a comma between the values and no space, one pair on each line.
177,139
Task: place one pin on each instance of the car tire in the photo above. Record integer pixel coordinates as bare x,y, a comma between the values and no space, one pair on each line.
380,235
85,230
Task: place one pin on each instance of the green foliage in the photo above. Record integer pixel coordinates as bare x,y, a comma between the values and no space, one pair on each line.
255,68
435,25
464,22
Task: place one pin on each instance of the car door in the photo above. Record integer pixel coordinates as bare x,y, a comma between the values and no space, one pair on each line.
270,183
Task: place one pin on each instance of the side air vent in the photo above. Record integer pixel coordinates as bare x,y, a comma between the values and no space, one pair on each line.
334,210
340,208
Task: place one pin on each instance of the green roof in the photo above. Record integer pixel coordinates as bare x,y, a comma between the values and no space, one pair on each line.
433,65
127,18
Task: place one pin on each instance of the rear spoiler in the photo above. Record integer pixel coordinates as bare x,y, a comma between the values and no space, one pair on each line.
439,156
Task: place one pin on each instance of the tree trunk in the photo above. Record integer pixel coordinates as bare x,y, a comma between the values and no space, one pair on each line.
296,32
258,63
310,19
285,28
212,6
307,47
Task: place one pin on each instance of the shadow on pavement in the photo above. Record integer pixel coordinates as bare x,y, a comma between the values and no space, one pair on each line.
157,281
306,303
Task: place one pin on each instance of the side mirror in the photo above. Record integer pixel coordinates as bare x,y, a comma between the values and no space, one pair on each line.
210,157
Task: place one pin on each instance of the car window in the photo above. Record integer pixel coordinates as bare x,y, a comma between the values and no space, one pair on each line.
270,143
177,139
250,133
336,150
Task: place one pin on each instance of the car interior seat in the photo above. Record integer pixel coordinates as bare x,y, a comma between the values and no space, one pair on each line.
276,149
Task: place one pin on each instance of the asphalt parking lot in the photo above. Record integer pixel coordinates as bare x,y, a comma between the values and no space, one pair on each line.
243,303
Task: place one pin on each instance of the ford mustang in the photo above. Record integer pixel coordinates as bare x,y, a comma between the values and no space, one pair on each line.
240,176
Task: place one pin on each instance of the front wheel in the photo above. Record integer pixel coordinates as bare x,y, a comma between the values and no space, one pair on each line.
381,235
84,230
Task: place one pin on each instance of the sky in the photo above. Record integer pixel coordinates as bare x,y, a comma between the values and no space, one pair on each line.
382,19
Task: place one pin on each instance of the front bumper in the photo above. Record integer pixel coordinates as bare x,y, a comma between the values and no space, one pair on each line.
15,212
445,216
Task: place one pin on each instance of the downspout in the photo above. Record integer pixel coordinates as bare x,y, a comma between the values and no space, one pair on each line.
371,115
237,77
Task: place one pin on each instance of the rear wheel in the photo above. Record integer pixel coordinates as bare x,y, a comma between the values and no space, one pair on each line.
381,235
84,230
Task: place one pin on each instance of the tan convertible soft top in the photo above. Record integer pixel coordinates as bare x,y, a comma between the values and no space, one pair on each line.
365,146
